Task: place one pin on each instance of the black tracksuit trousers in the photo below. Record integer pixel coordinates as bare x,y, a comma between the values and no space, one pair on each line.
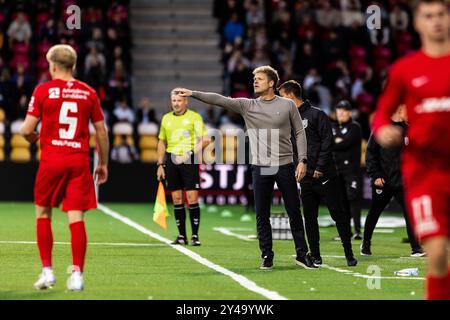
380,199
263,184
312,191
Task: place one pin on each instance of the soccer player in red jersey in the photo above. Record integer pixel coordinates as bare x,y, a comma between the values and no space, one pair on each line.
65,106
422,82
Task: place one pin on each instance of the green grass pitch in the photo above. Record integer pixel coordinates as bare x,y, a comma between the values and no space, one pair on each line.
156,271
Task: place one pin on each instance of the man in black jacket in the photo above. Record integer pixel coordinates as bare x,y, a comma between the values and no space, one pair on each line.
321,175
383,167
347,137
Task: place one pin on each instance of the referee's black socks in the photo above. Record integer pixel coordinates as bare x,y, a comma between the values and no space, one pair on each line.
194,214
180,218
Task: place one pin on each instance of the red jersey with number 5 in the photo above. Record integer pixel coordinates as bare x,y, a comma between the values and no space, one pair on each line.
65,108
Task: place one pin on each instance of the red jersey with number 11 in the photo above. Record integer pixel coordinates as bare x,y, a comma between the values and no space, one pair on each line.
65,108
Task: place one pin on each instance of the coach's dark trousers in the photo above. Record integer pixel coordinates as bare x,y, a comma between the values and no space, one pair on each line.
380,199
312,190
263,184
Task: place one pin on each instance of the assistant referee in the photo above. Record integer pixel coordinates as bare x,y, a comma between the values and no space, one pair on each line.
182,137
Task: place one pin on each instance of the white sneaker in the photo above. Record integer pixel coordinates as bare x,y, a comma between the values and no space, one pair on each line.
75,281
418,254
46,280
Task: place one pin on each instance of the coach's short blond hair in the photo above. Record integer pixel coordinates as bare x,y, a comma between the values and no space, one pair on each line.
63,55
270,72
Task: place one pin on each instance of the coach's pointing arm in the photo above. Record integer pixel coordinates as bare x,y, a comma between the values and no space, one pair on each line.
237,105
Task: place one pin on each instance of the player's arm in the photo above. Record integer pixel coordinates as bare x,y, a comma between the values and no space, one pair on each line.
237,105
326,142
161,152
28,129
373,162
300,141
101,134
202,140
386,134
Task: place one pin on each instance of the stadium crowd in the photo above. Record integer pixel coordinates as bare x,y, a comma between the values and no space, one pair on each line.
28,28
324,44
289,35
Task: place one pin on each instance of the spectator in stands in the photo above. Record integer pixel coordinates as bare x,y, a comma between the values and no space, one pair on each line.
48,31
19,30
22,81
122,112
7,92
96,40
145,113
124,152
233,29
255,16
119,82
399,19
94,59
328,16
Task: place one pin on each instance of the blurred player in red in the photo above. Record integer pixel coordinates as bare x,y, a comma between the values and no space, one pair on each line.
422,82
65,106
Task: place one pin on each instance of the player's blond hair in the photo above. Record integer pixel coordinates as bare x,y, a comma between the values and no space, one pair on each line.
63,55
270,72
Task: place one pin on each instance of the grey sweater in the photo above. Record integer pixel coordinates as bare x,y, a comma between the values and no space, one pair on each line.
269,126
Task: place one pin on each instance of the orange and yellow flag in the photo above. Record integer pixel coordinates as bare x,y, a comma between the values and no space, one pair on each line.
161,213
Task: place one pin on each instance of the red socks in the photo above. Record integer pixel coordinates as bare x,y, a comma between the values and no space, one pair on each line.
438,288
44,238
79,244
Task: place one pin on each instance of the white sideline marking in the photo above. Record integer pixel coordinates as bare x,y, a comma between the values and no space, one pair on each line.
119,244
383,230
243,281
227,232
367,276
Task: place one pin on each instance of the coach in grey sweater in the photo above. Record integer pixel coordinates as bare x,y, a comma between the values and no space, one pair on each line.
270,119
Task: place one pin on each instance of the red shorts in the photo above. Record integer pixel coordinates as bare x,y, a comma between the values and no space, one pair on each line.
69,182
427,199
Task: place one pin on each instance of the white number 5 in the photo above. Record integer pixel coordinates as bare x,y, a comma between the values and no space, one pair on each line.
65,119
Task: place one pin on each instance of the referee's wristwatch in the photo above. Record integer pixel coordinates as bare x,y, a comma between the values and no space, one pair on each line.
304,161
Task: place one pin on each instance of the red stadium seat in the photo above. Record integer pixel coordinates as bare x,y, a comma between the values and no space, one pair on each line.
20,48
358,53
42,63
20,60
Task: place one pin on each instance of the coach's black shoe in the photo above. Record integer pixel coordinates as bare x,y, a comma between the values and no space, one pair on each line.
194,241
267,263
357,236
351,261
180,240
317,261
305,262
365,248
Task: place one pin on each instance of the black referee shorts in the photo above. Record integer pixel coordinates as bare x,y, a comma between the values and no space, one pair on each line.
182,176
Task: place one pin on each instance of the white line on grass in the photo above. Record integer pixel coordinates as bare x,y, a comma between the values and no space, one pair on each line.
119,244
227,232
359,275
243,281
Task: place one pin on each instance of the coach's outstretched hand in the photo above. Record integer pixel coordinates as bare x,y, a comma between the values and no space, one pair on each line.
101,174
182,92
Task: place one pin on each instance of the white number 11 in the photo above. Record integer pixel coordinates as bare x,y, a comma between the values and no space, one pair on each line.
65,119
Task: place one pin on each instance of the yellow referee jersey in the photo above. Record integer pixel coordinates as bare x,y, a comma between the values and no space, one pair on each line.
181,132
